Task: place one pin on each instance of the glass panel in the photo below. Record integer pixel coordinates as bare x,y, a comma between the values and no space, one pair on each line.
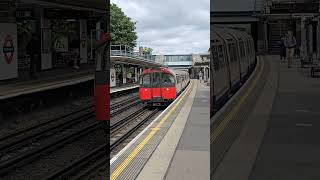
156,79
145,80
167,79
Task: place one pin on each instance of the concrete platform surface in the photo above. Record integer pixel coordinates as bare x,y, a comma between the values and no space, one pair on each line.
179,149
129,162
280,137
192,157
291,144
10,90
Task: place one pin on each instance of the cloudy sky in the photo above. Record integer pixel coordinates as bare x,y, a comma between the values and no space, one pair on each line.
170,26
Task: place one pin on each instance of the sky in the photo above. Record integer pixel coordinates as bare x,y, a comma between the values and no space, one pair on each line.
170,26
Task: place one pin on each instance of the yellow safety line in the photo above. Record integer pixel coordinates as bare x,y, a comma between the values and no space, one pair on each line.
134,153
217,131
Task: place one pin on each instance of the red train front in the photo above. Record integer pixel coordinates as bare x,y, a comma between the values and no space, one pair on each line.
157,86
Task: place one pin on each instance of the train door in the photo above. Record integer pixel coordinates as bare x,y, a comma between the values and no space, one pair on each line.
156,85
145,87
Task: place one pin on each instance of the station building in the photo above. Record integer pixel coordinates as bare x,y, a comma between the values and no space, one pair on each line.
66,33
193,63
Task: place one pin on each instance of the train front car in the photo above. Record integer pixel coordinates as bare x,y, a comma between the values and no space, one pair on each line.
157,87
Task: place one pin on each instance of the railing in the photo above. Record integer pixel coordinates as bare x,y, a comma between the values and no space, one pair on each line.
121,50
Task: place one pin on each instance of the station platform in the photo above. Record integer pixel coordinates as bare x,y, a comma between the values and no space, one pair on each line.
272,127
173,146
11,90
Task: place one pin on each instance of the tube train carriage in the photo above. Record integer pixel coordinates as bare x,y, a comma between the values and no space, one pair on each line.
160,86
232,61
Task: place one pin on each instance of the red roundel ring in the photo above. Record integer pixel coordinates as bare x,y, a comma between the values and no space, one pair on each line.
8,49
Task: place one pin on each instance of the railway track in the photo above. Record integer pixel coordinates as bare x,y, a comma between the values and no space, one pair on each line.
135,121
24,138
11,141
96,162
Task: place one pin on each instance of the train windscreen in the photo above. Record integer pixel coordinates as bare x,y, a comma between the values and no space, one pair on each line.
145,80
156,79
167,80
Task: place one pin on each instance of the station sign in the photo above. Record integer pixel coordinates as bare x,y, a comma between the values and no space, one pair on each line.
83,42
61,44
124,75
8,51
112,77
23,14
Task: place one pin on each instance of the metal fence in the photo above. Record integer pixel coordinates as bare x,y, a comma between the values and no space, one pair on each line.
122,50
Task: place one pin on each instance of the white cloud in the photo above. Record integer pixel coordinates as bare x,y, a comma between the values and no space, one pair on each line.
170,26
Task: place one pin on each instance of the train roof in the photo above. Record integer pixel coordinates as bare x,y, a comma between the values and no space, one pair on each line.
219,33
163,70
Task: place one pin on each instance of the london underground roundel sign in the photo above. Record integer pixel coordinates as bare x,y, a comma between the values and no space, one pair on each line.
8,49
112,77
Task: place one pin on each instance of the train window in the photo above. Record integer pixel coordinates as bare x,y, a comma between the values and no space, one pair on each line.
220,61
232,52
215,58
242,49
145,80
156,79
167,79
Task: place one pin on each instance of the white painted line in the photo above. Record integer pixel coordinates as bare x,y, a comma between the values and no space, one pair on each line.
123,89
302,111
148,127
303,125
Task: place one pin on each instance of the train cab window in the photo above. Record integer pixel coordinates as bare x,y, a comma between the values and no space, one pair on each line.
145,80
167,79
156,79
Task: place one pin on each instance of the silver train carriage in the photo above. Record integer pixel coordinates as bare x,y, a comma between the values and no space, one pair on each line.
233,59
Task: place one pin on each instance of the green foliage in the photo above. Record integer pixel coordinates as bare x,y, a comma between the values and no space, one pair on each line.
147,51
122,28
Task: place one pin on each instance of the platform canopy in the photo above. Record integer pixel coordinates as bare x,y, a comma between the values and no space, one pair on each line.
236,6
88,5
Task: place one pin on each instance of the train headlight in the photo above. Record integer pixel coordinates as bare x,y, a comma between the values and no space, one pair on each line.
167,89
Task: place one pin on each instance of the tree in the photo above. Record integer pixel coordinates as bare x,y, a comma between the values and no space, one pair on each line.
122,28
147,51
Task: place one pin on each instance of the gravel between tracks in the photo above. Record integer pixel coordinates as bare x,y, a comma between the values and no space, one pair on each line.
57,159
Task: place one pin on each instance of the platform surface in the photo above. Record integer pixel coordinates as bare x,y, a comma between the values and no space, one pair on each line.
43,83
40,84
291,144
161,154
279,139
192,157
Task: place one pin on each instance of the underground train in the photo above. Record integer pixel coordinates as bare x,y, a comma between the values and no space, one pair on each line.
161,86
233,59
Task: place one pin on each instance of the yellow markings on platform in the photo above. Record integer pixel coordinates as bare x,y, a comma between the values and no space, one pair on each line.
135,152
217,131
